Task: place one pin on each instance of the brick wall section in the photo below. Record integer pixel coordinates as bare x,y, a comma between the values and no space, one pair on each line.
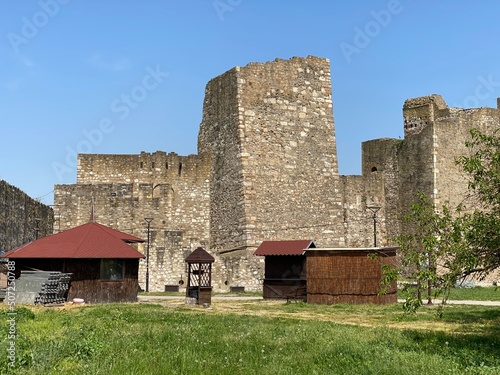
17,217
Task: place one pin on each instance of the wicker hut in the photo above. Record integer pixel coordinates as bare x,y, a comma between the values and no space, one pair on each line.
349,275
103,265
285,268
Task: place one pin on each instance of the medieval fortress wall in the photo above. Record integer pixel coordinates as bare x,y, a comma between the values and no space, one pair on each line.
267,169
125,189
20,216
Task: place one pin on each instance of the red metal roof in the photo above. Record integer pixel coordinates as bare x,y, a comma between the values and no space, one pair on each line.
89,241
292,247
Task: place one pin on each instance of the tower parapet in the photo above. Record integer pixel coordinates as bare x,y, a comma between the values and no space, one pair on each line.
422,111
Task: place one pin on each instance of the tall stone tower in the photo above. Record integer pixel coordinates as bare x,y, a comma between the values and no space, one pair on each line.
269,129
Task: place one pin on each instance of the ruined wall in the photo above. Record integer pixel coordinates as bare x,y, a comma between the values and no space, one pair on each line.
379,157
425,161
359,192
18,214
219,135
427,157
451,133
270,130
267,169
125,189
276,139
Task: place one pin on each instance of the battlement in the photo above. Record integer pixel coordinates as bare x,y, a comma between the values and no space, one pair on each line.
422,111
145,167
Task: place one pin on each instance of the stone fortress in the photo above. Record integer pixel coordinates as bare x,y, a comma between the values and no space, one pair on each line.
267,169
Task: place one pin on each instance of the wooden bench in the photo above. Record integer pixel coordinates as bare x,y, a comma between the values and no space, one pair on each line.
298,294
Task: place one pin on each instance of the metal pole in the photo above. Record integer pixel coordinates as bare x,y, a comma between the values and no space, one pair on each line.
148,220
374,229
374,210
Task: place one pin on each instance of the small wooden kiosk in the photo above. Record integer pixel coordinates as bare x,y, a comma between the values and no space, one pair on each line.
285,268
199,285
349,275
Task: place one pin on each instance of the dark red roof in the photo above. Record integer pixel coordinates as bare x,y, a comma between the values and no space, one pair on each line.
292,247
89,241
200,256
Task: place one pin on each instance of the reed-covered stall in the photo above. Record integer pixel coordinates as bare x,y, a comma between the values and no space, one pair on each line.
349,275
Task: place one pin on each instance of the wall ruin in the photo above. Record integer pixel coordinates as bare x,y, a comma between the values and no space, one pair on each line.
267,169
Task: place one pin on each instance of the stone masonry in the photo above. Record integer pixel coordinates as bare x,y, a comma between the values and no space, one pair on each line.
267,169
19,214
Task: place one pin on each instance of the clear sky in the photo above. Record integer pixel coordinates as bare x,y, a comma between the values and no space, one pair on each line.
123,76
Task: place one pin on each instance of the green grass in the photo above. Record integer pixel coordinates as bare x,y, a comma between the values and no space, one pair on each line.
461,294
254,338
478,294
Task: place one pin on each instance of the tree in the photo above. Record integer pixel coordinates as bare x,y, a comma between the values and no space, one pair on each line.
447,244
430,249
482,225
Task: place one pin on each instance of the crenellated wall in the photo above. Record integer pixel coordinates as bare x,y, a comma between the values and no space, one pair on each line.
123,190
267,169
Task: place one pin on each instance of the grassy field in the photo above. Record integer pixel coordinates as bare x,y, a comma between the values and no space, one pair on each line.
253,337
477,293
458,294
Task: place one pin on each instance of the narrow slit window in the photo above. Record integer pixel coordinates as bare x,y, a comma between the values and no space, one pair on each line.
180,169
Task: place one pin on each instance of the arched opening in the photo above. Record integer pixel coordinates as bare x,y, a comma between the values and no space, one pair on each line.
374,169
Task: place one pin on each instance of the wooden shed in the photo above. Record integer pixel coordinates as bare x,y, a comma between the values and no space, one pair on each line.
349,275
285,268
103,265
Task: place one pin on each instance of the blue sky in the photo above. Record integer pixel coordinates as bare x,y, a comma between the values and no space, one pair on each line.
121,77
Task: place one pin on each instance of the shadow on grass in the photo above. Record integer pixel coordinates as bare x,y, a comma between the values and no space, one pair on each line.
468,350
475,343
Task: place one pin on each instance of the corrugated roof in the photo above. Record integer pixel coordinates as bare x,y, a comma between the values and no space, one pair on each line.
200,255
291,247
89,241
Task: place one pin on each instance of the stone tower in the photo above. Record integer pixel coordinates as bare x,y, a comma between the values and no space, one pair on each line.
270,132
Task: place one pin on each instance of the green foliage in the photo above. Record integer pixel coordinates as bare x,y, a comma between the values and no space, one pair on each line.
461,241
482,225
433,240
